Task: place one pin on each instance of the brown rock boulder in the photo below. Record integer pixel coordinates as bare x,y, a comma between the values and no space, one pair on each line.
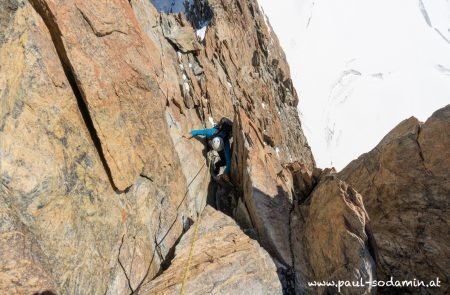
224,261
330,239
179,32
406,187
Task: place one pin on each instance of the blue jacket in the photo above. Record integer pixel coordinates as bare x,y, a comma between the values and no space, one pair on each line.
209,133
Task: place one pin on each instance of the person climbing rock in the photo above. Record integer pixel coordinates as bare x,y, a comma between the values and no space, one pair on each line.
219,141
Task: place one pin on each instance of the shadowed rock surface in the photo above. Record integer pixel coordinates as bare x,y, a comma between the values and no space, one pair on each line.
406,187
330,239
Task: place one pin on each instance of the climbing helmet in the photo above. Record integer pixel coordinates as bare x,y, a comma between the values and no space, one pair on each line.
217,143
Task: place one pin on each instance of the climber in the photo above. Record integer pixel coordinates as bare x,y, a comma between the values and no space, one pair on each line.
219,140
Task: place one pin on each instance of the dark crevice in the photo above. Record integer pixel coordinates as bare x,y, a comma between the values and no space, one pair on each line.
290,273
43,10
371,244
123,268
147,177
165,261
419,129
422,158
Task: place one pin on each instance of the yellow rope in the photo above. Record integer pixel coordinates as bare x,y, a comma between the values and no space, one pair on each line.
186,272
194,238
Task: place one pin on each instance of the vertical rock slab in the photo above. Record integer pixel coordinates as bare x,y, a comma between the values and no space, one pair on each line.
51,175
246,63
153,225
264,190
178,117
224,261
56,188
406,188
116,70
329,240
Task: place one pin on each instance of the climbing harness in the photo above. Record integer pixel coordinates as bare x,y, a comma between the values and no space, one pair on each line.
213,157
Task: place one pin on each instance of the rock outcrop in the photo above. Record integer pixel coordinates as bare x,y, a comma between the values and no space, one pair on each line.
224,261
331,240
405,186
265,193
99,188
95,97
54,178
314,225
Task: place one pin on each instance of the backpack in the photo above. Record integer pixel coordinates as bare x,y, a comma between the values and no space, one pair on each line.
224,128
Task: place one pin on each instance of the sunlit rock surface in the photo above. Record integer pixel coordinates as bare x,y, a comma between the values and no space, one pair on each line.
99,190
224,261
95,97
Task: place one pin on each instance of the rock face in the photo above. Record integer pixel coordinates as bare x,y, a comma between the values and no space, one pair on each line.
119,86
98,186
23,269
224,261
406,186
54,180
314,225
95,177
331,241
265,192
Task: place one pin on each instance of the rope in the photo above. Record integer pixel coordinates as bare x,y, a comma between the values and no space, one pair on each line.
194,238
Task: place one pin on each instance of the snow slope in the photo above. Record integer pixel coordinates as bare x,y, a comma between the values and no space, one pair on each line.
360,67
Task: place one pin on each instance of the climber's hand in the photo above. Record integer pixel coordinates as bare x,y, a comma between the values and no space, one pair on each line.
187,136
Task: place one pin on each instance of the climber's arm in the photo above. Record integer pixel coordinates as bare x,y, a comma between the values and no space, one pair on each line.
208,133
